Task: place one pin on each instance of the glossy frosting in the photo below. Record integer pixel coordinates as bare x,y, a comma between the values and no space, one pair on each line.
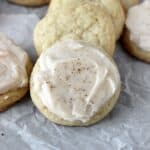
74,80
138,23
13,61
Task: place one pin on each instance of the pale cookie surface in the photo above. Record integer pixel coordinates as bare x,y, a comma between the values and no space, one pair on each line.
111,6
138,30
30,2
74,82
116,11
14,71
87,22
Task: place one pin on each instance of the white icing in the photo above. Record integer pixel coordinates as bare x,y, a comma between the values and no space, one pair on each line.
13,62
138,23
74,80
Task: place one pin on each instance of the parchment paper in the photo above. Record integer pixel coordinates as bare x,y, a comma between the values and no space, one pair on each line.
126,128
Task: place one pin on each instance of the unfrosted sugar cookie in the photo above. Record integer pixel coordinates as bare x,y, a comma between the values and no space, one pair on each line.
113,7
75,84
15,68
88,22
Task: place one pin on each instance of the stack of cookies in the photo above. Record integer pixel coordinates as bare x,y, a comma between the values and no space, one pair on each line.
75,81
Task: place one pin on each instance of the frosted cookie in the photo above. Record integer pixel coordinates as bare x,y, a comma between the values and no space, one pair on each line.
30,2
74,84
129,3
15,68
136,37
88,22
113,7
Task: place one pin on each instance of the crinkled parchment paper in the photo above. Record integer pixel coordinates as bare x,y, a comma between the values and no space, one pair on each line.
126,128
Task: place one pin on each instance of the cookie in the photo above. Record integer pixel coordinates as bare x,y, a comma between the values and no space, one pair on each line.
30,2
136,36
111,6
74,83
15,68
88,22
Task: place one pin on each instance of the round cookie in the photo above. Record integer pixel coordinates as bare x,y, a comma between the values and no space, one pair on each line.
136,36
129,3
111,6
15,69
70,94
30,2
88,22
